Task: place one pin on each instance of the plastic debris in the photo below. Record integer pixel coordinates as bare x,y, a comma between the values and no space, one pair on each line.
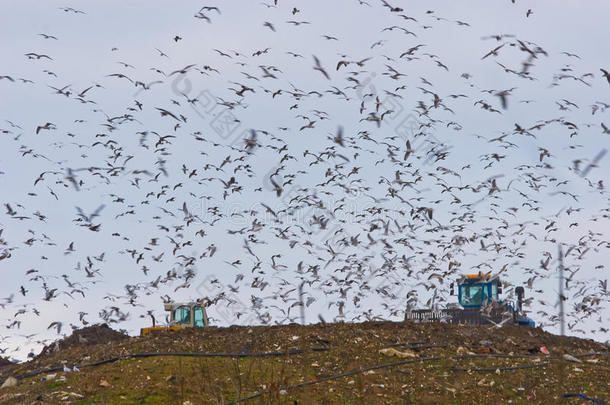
485,383
569,357
104,383
390,351
462,350
544,350
583,396
9,382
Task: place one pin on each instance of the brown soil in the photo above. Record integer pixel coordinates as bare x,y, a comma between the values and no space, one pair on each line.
91,335
440,368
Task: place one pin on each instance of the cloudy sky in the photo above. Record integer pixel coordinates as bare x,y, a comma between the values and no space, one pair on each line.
137,111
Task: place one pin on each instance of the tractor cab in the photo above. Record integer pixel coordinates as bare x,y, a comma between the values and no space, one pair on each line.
189,315
477,290
181,315
478,302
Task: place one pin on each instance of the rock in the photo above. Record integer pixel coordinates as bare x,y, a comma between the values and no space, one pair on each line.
9,382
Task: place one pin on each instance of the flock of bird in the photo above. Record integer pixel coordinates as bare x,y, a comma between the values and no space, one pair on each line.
352,186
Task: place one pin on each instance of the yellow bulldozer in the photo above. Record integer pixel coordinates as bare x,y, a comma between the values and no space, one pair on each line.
181,315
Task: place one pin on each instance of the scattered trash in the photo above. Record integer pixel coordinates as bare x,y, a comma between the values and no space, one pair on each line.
9,382
484,383
544,350
104,383
510,341
583,396
72,394
462,350
170,378
569,357
390,351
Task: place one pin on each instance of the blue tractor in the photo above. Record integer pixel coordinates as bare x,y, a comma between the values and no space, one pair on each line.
478,302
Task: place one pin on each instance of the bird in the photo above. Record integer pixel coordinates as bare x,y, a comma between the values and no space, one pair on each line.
319,67
46,36
605,74
47,126
493,52
33,55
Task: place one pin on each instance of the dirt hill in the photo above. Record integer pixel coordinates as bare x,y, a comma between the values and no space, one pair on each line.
367,363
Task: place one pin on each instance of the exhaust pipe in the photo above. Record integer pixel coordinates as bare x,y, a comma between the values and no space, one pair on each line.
520,294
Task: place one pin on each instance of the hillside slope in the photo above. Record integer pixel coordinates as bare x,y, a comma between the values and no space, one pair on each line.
366,363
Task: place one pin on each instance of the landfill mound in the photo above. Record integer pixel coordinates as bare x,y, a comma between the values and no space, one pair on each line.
5,362
91,335
339,363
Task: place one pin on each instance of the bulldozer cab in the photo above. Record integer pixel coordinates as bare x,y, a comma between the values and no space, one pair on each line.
476,290
190,315
181,315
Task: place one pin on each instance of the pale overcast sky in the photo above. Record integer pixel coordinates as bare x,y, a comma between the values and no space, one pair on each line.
505,184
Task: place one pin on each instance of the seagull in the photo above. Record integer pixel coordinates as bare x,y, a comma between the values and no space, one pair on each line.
319,67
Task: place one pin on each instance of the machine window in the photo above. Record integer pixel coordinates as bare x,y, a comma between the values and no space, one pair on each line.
472,295
494,291
182,315
198,313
